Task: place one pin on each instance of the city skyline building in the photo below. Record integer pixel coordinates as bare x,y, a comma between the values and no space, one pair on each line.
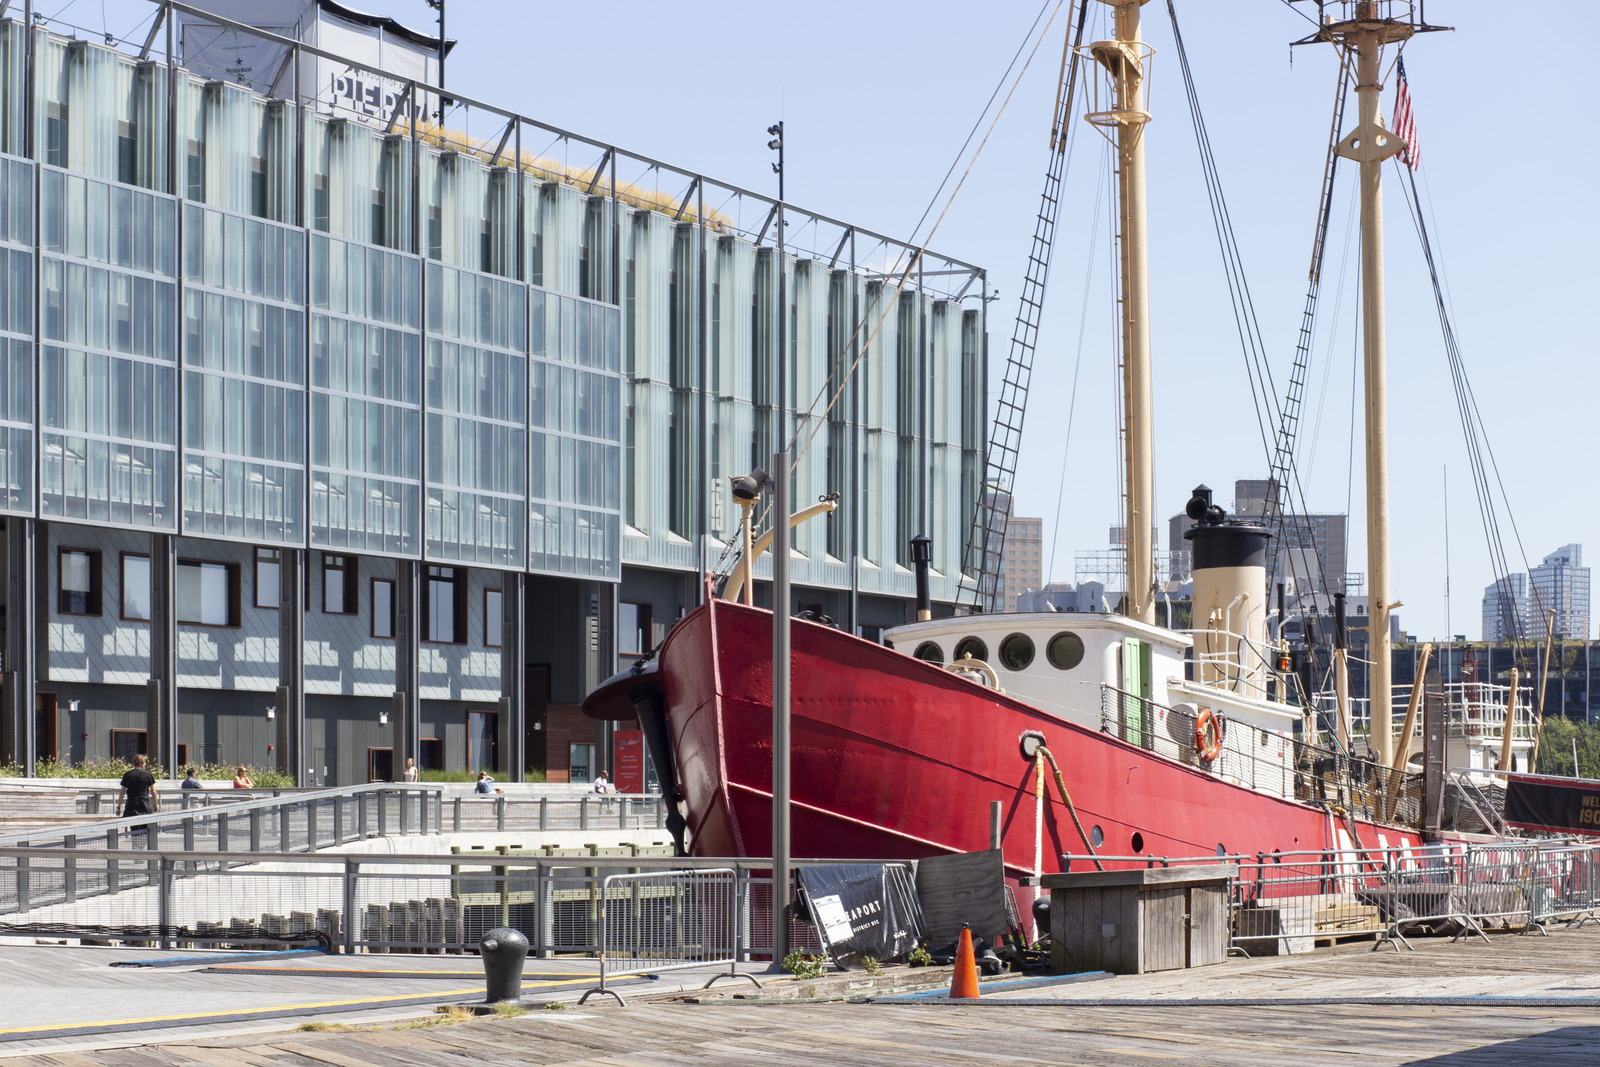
1021,571
1560,584
408,416
1524,602
1505,608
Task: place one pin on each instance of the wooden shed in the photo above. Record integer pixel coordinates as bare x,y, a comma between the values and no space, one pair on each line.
1131,922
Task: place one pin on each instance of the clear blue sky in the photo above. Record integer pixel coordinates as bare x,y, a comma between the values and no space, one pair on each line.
878,97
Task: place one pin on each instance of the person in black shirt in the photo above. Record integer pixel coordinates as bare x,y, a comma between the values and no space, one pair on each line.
137,795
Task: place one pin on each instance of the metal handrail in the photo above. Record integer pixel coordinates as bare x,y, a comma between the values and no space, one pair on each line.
1370,789
164,820
1482,714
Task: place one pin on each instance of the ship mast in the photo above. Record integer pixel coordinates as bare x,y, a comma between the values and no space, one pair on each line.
1363,37
1125,60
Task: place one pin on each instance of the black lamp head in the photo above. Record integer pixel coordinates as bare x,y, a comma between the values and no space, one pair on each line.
749,487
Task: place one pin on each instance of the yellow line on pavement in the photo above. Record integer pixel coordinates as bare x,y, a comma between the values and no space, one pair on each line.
226,1013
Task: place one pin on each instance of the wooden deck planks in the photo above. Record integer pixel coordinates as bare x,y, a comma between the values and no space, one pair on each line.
830,1035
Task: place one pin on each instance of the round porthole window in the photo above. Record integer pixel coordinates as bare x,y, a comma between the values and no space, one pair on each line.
930,652
1016,652
1097,836
971,646
1138,841
1065,651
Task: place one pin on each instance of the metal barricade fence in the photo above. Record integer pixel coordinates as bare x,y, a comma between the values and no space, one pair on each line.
1497,880
669,921
1286,902
1562,887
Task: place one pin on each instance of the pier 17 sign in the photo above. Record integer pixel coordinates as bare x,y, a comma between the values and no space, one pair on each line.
238,57
1558,805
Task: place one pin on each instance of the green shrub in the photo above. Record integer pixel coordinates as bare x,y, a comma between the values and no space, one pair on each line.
804,965
448,776
870,965
94,767
920,956
530,775
103,767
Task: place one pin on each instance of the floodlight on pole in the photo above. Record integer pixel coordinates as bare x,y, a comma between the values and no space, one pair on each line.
746,491
776,144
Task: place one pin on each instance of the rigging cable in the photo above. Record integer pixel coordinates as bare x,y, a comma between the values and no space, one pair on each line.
1077,363
1269,413
1480,454
1331,341
725,560
984,552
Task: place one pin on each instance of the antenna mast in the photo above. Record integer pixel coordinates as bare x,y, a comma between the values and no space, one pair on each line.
1361,32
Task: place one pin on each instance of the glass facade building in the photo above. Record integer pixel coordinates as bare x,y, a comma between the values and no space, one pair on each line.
249,314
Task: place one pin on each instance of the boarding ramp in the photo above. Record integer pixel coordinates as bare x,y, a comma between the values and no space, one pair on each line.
87,871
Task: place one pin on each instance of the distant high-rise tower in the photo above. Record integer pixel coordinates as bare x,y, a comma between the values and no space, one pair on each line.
1505,608
1561,584
1022,570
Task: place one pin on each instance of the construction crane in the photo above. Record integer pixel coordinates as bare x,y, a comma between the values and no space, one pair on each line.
985,550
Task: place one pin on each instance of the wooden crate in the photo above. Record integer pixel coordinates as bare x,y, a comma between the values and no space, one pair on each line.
1132,922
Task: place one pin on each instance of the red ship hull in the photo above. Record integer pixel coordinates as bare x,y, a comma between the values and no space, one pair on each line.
894,758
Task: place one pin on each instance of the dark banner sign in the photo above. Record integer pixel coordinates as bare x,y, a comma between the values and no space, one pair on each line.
863,909
1564,805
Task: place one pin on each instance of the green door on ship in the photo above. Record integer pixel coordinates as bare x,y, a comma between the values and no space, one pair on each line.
1136,692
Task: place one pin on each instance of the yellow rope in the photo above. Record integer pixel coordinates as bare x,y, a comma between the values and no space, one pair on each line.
1061,787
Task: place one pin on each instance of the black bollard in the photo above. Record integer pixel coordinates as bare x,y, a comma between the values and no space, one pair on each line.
503,950
1041,915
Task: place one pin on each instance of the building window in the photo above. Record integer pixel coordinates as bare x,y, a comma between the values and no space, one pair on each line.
382,607
380,764
493,617
79,582
444,605
135,586
195,174
126,744
269,568
580,763
431,751
55,135
341,589
208,593
633,629
483,741
127,154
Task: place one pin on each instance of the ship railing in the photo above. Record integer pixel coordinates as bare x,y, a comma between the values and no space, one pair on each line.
1264,760
1472,709
380,902
1232,662
1285,903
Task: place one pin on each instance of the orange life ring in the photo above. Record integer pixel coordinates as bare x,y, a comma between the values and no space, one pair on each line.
1208,735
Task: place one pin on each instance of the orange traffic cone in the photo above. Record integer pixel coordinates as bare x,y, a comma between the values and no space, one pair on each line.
964,982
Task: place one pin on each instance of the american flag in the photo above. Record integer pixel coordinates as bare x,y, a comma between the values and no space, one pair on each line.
1405,123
